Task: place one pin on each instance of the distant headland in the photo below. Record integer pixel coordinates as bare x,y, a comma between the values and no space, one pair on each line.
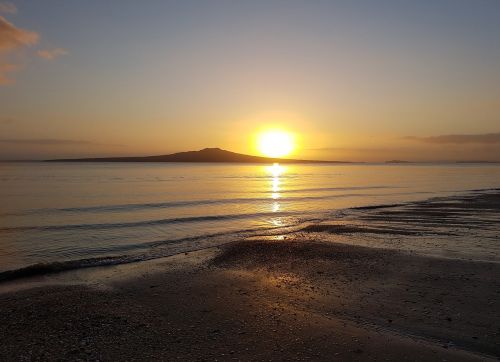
204,155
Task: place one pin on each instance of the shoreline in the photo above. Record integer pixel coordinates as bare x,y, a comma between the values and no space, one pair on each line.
357,220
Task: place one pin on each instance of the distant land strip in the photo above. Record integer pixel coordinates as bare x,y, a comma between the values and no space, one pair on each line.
204,155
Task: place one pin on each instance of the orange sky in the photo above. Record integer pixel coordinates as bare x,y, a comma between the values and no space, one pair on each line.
360,81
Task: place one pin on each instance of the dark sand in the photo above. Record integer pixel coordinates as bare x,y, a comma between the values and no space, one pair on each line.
279,300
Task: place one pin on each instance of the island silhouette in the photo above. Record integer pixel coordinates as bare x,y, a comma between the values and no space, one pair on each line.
205,155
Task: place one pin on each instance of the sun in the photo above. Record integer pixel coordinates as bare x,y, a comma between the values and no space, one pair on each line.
275,143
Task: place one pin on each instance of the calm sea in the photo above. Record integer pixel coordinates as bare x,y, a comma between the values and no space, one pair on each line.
105,213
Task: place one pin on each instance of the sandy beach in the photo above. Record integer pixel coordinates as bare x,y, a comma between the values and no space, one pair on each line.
299,297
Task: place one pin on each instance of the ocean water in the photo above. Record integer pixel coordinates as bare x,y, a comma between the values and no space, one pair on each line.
80,214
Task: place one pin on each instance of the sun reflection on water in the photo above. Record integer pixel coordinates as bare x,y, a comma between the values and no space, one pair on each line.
276,207
276,171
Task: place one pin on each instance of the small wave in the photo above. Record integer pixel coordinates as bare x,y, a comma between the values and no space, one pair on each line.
350,188
154,250
173,204
157,222
56,267
373,207
485,190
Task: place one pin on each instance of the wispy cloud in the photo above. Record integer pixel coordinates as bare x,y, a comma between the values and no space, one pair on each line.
358,149
7,120
7,7
6,67
12,41
50,54
486,138
50,142
12,37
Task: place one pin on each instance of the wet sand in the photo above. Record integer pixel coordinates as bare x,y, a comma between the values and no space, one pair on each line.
296,298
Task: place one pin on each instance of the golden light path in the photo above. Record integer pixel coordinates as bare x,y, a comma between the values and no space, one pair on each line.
275,143
276,171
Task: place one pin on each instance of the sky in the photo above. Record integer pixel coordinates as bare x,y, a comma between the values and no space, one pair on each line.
355,80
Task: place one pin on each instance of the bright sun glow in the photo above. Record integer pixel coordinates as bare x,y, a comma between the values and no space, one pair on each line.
275,143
